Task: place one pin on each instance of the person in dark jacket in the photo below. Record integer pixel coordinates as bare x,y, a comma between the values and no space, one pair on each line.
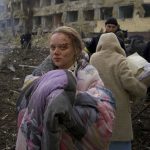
111,25
25,40
146,53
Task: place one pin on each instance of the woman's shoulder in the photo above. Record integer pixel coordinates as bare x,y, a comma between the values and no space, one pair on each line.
44,67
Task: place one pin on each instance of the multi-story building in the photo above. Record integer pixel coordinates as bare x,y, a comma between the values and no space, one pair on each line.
85,15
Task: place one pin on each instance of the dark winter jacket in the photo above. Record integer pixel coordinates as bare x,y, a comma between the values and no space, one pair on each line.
91,46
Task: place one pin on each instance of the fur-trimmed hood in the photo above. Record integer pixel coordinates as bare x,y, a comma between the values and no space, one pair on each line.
109,42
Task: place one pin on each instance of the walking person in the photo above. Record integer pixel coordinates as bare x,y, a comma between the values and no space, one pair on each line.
110,61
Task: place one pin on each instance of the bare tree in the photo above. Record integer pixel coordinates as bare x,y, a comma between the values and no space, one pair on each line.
9,4
27,8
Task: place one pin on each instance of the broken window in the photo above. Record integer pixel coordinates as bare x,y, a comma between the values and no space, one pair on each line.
37,4
72,16
88,15
16,21
37,21
46,2
57,20
106,12
58,1
2,8
2,24
147,10
8,23
48,21
16,6
126,11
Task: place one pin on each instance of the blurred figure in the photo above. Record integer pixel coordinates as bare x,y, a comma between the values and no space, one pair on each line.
25,40
146,53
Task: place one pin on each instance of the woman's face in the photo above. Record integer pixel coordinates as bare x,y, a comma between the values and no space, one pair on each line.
62,51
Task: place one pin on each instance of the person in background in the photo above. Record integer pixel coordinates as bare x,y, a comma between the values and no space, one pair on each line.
146,52
146,55
25,40
111,63
65,105
111,25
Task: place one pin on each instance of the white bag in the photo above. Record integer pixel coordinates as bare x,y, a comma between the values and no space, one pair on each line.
140,68
136,63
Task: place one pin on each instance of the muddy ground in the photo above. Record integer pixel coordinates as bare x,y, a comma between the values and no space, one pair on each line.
12,75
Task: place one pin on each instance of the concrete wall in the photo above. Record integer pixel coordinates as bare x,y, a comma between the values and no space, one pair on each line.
132,25
53,15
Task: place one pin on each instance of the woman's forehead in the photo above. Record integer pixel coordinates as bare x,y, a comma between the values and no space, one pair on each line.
59,38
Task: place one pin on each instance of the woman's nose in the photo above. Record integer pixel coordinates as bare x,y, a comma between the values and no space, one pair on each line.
56,50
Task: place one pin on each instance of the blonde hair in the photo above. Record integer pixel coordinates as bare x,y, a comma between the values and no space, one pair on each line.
75,37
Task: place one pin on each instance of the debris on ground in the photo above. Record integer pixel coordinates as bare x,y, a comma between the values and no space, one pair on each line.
19,63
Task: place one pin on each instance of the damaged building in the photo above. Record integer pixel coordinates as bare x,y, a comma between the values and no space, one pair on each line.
87,16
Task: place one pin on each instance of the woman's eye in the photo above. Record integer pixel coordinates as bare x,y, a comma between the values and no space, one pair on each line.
52,47
63,47
59,46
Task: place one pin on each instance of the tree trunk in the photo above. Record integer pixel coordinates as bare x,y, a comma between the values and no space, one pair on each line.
27,6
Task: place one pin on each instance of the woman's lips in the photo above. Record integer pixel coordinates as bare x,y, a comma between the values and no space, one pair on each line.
57,59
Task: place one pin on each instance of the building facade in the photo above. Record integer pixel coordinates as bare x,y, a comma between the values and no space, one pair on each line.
86,16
